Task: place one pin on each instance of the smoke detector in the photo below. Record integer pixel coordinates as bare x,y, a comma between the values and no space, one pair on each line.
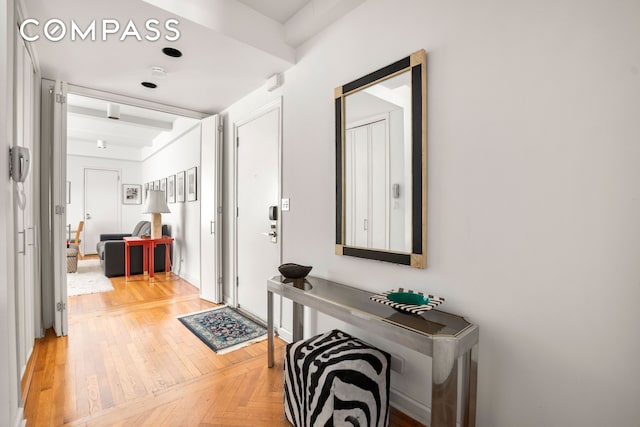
158,72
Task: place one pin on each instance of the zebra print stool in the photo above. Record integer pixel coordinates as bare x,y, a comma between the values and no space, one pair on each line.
334,379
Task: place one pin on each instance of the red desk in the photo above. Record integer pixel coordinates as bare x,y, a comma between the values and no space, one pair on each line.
148,249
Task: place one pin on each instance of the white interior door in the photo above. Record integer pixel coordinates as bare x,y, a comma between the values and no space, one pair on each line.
101,206
210,210
20,207
258,188
24,209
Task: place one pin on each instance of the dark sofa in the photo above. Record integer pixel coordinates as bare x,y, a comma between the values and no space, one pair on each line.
111,251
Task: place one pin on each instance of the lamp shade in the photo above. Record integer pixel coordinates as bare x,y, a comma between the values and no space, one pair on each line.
156,203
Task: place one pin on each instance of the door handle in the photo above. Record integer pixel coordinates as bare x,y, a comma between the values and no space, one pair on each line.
88,216
212,227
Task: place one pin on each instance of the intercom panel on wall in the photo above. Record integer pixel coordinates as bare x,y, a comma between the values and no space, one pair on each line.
20,163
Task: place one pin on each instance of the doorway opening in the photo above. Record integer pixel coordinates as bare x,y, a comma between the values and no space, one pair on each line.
91,132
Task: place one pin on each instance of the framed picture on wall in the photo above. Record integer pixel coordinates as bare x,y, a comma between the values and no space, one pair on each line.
171,189
180,186
156,184
163,187
192,184
131,194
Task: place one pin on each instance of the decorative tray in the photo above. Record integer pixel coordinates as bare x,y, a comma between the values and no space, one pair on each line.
413,302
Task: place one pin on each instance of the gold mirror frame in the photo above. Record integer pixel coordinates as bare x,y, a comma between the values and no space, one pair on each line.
416,65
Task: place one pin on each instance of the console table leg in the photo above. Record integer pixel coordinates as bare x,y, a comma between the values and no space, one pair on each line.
298,322
167,261
152,267
269,329
145,261
444,383
469,387
127,270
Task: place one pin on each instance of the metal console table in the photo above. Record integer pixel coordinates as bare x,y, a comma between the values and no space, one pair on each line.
448,339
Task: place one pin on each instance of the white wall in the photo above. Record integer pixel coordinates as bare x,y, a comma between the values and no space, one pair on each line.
182,154
130,173
533,201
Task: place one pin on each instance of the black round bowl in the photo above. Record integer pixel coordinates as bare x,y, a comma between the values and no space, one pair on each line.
294,271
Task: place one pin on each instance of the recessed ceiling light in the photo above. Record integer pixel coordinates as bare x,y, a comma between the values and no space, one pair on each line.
149,85
102,143
174,53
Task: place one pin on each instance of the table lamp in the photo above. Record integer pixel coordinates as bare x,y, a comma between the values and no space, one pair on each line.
156,205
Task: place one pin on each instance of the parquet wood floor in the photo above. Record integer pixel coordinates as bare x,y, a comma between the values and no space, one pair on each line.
127,361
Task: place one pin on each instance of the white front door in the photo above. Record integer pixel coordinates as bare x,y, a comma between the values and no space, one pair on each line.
258,188
101,206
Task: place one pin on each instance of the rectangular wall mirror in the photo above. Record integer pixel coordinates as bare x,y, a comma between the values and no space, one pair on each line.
381,164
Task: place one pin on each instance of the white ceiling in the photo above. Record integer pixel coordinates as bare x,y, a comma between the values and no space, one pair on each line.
135,135
230,47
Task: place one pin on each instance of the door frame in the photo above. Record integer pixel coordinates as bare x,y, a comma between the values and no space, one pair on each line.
211,207
84,204
275,105
52,179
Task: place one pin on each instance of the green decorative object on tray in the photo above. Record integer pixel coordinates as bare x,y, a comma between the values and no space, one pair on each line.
407,300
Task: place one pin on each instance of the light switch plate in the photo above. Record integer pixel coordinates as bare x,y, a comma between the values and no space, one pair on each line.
285,205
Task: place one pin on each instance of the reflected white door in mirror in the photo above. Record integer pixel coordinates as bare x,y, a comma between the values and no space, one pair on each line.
378,166
381,164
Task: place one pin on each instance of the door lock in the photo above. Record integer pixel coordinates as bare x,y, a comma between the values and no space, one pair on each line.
273,233
273,218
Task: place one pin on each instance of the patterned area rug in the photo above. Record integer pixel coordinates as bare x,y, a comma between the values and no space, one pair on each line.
223,329
88,279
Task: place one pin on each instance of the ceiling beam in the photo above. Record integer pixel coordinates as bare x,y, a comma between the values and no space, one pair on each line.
314,17
234,20
89,137
124,118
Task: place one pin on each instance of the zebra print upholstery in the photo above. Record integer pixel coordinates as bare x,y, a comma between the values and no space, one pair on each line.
334,379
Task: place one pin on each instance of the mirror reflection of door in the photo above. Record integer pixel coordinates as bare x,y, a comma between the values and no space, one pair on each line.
378,166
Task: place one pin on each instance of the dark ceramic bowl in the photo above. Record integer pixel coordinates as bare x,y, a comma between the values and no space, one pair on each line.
294,271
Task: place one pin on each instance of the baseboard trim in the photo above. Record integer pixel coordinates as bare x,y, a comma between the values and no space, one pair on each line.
28,371
193,280
416,410
285,335
20,421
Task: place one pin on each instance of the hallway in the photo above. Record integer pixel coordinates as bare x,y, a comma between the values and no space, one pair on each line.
129,362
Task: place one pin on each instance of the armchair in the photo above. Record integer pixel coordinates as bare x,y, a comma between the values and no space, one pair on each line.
111,251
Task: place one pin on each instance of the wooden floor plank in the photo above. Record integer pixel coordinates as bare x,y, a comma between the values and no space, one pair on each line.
128,361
